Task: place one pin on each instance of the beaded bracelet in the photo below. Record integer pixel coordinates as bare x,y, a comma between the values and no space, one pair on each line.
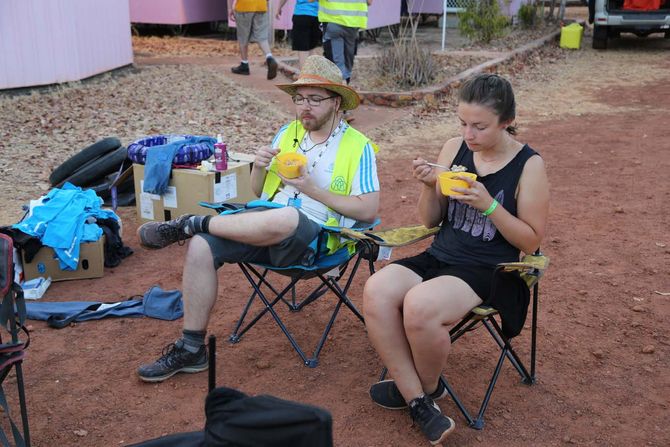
490,209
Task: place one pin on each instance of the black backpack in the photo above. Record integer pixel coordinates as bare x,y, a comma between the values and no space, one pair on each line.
237,420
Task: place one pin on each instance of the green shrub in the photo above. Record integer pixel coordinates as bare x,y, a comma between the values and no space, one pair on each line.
527,15
482,21
406,62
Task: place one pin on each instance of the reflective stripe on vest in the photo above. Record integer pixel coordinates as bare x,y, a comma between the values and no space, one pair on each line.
351,13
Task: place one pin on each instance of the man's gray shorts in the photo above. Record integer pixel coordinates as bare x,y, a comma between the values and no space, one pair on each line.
252,27
291,251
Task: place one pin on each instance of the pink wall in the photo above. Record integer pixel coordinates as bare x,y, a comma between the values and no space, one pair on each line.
177,12
52,41
435,6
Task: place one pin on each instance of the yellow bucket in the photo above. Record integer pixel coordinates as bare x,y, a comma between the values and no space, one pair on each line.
571,36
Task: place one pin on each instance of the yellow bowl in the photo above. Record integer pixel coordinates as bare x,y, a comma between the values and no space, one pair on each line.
289,164
447,181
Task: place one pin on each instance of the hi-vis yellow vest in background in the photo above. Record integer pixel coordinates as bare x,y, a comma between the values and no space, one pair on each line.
351,13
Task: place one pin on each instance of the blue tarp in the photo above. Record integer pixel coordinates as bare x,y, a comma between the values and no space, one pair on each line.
156,303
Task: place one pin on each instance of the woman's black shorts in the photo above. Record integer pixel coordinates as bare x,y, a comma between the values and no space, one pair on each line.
306,34
427,266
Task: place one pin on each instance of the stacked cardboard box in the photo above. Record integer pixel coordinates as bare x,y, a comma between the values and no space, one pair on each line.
188,187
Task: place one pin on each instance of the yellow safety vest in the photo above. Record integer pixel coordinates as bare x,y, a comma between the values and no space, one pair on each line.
351,13
251,6
347,159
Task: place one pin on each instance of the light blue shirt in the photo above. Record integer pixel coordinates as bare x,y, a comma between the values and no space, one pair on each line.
306,8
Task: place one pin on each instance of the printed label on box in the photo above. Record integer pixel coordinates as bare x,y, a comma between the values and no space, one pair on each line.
151,196
170,197
146,206
226,189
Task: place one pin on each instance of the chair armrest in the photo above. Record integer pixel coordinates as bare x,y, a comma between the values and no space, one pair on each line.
394,237
530,268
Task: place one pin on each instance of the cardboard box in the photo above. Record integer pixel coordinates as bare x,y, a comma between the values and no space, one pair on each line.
188,187
91,263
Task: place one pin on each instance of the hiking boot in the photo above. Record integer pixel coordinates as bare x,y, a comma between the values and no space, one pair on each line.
272,67
387,395
427,415
156,235
242,69
175,359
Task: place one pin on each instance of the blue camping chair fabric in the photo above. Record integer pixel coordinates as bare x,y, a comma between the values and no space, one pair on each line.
328,268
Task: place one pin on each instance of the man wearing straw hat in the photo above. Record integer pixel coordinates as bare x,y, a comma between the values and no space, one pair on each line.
337,186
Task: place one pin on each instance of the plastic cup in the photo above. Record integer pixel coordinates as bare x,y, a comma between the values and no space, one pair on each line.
447,181
289,164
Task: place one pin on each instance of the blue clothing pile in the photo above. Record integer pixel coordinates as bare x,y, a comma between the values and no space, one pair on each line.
65,218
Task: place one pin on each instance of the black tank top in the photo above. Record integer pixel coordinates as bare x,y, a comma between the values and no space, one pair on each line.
468,238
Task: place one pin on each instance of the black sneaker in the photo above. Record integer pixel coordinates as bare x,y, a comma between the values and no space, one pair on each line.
387,395
156,235
242,69
272,67
427,415
175,359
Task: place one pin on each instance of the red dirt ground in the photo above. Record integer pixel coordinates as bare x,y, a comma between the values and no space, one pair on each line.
600,311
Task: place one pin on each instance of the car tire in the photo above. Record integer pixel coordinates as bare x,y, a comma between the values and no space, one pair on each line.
98,169
600,37
81,158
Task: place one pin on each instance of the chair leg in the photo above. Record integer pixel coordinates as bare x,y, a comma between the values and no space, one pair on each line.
342,295
479,422
503,342
533,338
22,403
459,404
326,283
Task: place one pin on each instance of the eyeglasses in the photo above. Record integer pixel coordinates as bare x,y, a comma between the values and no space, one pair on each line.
313,101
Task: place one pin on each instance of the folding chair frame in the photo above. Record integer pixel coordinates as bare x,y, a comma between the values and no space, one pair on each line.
328,282
12,316
486,316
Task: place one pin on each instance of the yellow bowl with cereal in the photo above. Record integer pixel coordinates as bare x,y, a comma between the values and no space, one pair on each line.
448,180
289,164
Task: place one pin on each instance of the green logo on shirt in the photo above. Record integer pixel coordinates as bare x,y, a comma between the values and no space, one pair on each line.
339,184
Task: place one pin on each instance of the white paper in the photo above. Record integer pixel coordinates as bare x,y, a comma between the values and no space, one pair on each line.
226,189
384,253
105,306
170,197
146,206
151,196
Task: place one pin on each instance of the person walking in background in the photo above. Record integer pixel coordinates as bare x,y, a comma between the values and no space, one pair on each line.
253,25
341,21
306,33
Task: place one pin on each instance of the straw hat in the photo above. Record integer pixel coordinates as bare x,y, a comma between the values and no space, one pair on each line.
320,72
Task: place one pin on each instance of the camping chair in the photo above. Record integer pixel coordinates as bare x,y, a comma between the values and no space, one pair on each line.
530,269
328,268
12,317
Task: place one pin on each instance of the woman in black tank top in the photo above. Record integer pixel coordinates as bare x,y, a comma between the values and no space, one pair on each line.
410,305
